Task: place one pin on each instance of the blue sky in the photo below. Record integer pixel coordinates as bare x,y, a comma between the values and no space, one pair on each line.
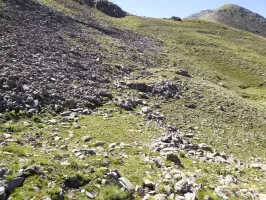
183,8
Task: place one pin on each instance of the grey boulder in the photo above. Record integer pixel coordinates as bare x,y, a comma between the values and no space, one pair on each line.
125,183
2,193
14,183
183,187
160,197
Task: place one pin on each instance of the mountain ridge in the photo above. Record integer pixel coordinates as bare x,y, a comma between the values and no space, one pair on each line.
236,17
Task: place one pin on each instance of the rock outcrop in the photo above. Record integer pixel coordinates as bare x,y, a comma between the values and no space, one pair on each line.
105,6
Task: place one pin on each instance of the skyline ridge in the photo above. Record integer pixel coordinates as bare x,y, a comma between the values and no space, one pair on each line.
157,9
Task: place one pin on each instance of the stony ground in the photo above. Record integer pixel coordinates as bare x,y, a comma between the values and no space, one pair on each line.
94,107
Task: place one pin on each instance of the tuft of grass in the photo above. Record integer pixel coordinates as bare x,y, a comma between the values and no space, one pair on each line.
113,192
11,128
182,154
203,193
2,4
20,151
36,119
58,6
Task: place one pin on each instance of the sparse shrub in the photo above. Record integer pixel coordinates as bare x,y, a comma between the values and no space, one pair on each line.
9,115
54,192
36,119
113,192
221,172
16,150
150,198
202,193
11,128
76,181
40,125
182,154
12,115
206,170
161,189
73,162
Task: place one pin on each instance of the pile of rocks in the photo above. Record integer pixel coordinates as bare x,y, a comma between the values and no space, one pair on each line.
38,65
163,89
8,185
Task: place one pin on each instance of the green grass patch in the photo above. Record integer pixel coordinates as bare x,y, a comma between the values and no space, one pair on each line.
20,151
57,5
113,192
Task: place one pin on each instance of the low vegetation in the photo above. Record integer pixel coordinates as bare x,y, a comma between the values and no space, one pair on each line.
218,75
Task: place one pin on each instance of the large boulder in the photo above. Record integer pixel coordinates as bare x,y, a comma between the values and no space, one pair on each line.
109,8
2,193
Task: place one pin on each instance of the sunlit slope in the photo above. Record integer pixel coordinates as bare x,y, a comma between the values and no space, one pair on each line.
215,51
237,17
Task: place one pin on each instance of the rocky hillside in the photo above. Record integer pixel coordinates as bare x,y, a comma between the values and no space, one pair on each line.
95,104
236,17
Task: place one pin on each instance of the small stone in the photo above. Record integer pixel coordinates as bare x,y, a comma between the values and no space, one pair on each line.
86,138
36,189
220,192
76,126
91,151
258,166
113,177
160,197
52,121
174,158
262,196
230,179
190,196
183,187
206,197
189,135
112,145
180,198
176,19
99,144
46,198
125,183
204,147
146,110
148,183
66,113
3,171
25,88
2,193
106,163
66,163
90,195
139,190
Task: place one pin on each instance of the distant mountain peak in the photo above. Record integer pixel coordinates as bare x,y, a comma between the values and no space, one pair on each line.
229,6
235,16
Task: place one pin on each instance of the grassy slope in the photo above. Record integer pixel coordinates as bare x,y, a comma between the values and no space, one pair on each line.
215,54
208,48
44,151
212,53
